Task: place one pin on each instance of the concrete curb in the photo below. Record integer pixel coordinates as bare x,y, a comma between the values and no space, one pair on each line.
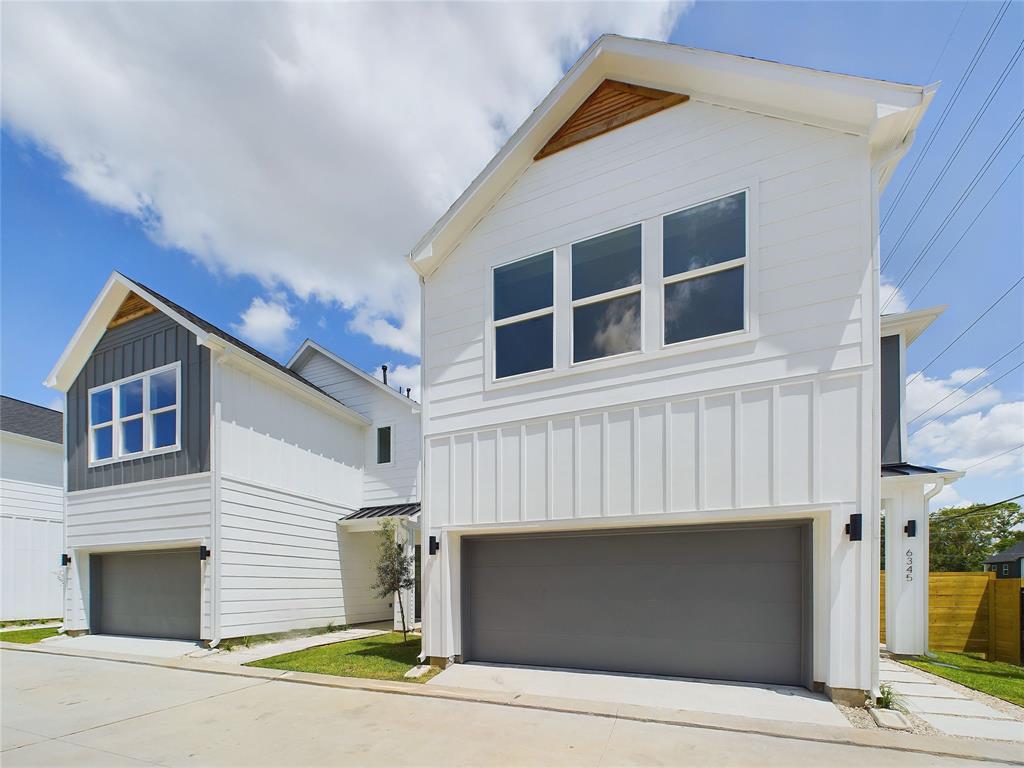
939,746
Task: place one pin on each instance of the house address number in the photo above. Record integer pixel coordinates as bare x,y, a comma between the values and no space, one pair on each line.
908,569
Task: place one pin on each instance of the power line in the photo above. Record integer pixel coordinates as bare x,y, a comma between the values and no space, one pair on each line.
965,330
969,397
959,203
956,150
990,458
969,226
947,518
949,106
945,45
980,373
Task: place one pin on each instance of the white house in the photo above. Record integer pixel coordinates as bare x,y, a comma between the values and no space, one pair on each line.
651,393
31,511
206,482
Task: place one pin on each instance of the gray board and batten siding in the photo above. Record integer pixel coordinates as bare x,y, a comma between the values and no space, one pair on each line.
891,390
136,347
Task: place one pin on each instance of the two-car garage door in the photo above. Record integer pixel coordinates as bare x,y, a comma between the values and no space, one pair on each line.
152,593
729,603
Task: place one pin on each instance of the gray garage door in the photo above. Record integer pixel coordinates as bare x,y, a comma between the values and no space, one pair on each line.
724,603
147,594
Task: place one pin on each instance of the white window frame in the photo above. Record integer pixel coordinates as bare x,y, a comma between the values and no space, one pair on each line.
376,429
147,415
615,293
710,270
492,333
1006,569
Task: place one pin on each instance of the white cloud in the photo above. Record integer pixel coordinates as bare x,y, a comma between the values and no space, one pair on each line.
924,392
402,376
307,144
56,404
890,298
949,497
966,440
267,323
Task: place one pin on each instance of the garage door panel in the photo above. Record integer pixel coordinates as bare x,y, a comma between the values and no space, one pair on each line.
723,603
151,593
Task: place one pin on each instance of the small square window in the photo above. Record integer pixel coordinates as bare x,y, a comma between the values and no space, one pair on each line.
165,429
606,328
131,398
101,407
163,389
131,436
606,263
102,443
383,445
1006,569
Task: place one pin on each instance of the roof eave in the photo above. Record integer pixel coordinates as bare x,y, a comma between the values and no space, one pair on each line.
911,324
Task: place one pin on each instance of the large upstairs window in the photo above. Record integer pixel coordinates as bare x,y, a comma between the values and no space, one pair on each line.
606,294
704,260
135,416
524,297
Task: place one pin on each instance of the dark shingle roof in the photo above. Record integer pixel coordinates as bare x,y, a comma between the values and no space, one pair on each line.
389,510
905,470
1008,555
233,340
31,420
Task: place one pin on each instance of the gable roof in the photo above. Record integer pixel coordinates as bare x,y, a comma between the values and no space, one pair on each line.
1009,554
886,113
109,302
31,420
313,347
910,324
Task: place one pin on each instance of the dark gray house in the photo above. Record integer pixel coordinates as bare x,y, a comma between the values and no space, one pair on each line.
1008,564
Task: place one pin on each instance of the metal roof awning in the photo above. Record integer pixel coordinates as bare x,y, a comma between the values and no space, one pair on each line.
388,510
907,470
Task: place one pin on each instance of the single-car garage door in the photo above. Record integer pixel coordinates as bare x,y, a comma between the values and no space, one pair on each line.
728,603
153,593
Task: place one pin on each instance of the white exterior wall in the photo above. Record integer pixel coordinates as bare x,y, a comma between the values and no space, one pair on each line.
31,528
394,483
775,424
288,469
155,514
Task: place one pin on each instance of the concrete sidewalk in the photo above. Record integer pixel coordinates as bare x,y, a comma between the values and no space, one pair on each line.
946,709
61,709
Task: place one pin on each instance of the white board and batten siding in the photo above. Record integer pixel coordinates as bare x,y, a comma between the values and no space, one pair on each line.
778,417
31,527
153,514
394,483
289,469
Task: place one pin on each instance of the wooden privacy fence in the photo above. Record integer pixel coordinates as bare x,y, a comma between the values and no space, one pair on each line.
972,612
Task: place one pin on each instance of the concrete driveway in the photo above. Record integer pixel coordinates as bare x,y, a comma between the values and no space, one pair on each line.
60,710
780,702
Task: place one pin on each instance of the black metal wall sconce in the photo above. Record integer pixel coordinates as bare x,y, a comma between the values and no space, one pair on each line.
65,559
856,526
204,553
910,528
434,545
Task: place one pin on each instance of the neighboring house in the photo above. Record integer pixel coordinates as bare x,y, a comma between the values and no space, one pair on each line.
906,490
651,405
1008,564
205,481
31,510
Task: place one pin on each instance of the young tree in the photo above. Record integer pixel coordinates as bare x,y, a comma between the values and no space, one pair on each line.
395,569
962,538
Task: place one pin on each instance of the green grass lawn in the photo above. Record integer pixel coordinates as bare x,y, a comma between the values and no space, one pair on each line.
381,657
996,678
28,635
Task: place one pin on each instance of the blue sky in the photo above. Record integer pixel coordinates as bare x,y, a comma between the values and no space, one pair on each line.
222,216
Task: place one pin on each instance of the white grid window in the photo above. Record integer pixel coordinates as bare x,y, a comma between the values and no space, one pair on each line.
135,416
523,316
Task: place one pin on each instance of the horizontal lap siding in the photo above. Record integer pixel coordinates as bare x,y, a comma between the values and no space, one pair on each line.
751,448
281,564
393,484
810,255
135,347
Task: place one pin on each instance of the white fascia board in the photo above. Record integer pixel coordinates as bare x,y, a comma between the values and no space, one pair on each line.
886,113
922,480
35,442
310,345
910,324
232,354
94,325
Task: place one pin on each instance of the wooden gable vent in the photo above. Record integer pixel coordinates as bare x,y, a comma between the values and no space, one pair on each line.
132,308
611,105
